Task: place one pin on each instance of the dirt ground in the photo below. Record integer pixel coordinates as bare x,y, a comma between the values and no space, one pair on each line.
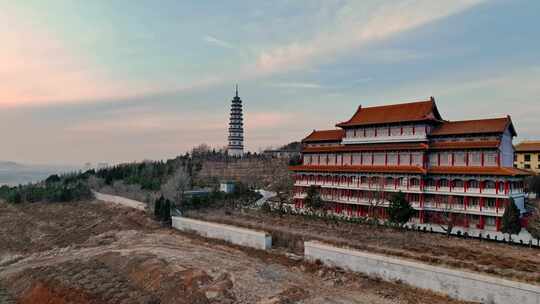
97,253
290,231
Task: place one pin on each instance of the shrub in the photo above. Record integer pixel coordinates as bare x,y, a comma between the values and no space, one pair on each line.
511,223
400,210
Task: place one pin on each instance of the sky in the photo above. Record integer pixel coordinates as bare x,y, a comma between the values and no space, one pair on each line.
122,80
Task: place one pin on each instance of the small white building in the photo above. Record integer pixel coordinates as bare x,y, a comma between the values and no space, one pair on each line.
227,187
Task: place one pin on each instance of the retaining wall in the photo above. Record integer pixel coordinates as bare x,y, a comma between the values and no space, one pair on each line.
457,284
235,235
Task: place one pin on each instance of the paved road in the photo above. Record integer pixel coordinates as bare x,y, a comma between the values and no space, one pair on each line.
120,200
266,196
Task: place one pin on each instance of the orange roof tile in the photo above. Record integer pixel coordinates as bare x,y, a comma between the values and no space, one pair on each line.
325,135
504,171
458,145
477,126
367,147
528,146
396,113
353,169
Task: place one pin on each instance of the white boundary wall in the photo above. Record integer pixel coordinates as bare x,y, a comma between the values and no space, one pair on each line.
235,235
457,284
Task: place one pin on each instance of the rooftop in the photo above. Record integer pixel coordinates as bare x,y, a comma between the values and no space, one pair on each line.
528,146
395,113
476,126
325,135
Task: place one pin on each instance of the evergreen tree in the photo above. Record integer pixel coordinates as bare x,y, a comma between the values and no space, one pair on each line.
313,198
511,223
157,207
167,212
400,210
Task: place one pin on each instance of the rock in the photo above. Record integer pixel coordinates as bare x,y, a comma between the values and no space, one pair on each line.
212,294
273,300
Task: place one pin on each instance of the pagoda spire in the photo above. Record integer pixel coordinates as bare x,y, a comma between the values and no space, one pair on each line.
237,90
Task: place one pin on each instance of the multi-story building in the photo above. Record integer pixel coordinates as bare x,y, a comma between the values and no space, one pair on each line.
527,156
449,170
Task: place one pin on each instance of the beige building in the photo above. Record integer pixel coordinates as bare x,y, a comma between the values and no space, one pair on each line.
527,155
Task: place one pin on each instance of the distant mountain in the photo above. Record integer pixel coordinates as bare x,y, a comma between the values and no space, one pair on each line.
10,165
13,173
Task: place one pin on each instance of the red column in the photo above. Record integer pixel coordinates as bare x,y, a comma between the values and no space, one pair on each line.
437,184
497,205
498,223
498,159
398,158
482,159
372,158
506,187
413,129
497,187
438,159
452,159
467,159
481,203
482,222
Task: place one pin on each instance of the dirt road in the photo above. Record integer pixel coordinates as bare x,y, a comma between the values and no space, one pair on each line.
98,253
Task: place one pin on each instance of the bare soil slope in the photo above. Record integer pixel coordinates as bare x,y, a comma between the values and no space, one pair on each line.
97,253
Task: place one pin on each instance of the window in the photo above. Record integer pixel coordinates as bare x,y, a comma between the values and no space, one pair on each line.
527,166
445,157
459,159
527,157
433,159
416,159
379,158
392,159
539,157
395,131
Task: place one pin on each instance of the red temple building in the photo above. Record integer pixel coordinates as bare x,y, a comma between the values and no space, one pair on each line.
458,170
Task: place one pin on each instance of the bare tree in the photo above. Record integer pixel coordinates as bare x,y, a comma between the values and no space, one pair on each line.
282,184
447,219
201,149
377,198
176,186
